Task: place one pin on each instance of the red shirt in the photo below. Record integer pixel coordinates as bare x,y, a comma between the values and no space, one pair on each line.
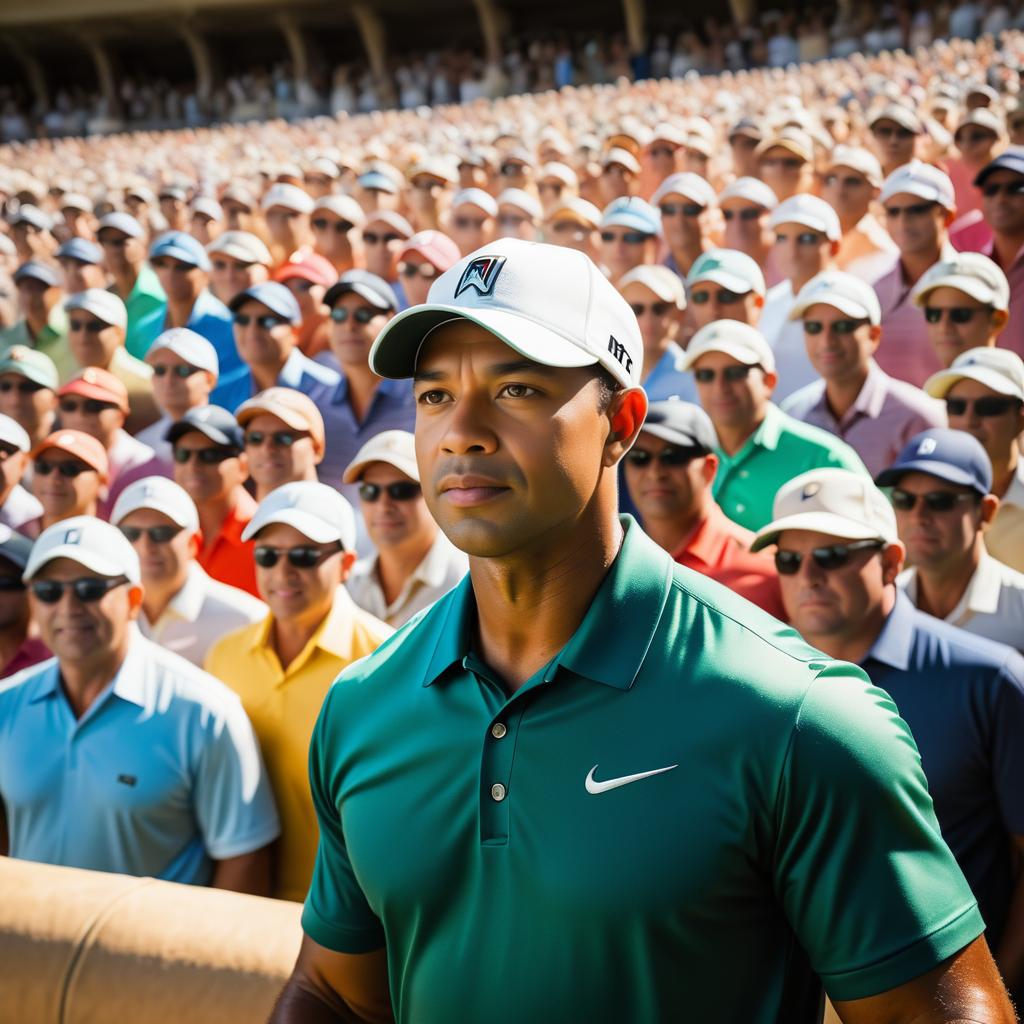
31,652
720,548
230,559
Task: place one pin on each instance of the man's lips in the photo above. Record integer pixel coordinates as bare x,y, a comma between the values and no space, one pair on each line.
469,490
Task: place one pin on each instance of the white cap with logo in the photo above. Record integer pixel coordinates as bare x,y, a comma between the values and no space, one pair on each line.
996,368
969,272
834,501
14,434
90,542
847,293
739,340
317,511
520,292
160,495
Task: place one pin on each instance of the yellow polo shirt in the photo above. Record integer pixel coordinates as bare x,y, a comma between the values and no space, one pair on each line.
283,704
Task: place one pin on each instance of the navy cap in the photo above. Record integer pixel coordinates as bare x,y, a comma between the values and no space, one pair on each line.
39,271
374,289
211,421
681,423
276,297
80,249
1011,159
123,222
950,455
180,246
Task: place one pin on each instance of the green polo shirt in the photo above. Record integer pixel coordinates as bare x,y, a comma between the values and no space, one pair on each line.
52,341
780,449
499,849
146,304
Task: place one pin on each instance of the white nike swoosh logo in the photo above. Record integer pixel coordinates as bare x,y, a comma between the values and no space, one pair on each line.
593,786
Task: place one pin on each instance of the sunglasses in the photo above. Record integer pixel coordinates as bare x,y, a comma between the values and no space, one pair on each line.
958,314
88,589
92,326
181,370
281,214
113,243
225,265
667,457
790,163
427,185
372,238
6,451
11,584
629,237
888,132
748,214
836,327
341,227
206,456
972,138
1007,188
686,209
934,501
706,375
510,170
725,297
267,322
92,406
410,270
554,187
833,557
913,210
156,534
468,223
990,405
279,438
804,238
656,308
511,220
66,469
302,557
172,265
662,152
400,490
848,180
743,142
363,315
25,387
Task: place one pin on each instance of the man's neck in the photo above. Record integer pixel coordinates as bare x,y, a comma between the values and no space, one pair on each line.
362,386
1004,471
179,311
529,605
265,375
159,595
12,636
124,281
674,532
914,264
290,636
37,324
855,645
84,683
941,589
686,255
212,515
850,221
396,563
841,394
1006,248
47,519
732,439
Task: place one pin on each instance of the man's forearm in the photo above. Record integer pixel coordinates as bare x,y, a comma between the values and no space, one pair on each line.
1010,954
299,1005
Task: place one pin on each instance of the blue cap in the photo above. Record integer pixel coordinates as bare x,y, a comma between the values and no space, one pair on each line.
276,297
1011,159
377,180
31,214
211,421
123,222
950,455
39,271
369,286
180,246
632,212
80,249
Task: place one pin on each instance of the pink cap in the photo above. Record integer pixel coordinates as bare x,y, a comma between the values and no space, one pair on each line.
309,266
435,247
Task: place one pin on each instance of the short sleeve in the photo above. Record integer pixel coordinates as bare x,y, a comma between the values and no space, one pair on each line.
843,456
234,804
337,914
861,870
1007,720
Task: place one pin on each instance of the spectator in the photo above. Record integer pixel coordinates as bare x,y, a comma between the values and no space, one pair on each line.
517,169
978,137
430,187
20,646
853,398
984,395
574,224
307,276
421,260
19,510
895,130
377,191
383,236
746,205
178,792
942,493
28,390
43,323
725,285
336,223
473,220
210,464
630,229
183,609
519,214
759,446
238,260
30,230
784,162
414,563
206,220
555,181
665,151
173,203
620,170
284,438
838,557
685,202
73,485
81,265
283,666
670,471
744,138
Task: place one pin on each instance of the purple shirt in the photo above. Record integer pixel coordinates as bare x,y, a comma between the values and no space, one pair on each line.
130,460
886,414
1012,335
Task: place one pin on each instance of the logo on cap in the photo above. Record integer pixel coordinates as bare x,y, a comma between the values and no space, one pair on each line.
481,274
73,537
619,353
809,491
927,446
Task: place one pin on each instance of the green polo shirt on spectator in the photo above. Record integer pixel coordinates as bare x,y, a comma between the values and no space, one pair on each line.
52,340
643,832
146,304
780,449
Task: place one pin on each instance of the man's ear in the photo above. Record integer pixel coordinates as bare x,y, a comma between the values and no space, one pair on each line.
626,414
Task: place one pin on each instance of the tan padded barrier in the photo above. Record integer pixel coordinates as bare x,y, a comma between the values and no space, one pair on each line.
84,947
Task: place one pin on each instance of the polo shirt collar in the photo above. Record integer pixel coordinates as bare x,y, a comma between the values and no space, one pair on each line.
770,429
982,593
873,393
705,543
293,370
1015,492
893,644
386,388
187,603
333,635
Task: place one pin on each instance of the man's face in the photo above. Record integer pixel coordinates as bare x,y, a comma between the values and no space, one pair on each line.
13,596
230,276
781,170
664,483
120,252
894,144
12,468
955,322
100,419
824,603
261,336
64,496
182,282
92,342
623,248
744,162
659,320
839,346
278,453
332,237
710,301
417,275
425,193
35,298
287,228
392,521
975,144
683,221
372,199
999,434
30,241
1002,202
915,224
309,295
207,482
381,245
745,224
470,228
352,337
663,158
509,451
174,393
80,631
572,235
801,251
28,403
736,395
78,275
616,181
174,210
165,550
516,223
936,539
237,216
848,192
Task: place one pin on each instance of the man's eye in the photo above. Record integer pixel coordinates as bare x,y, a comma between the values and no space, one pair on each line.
434,397
517,390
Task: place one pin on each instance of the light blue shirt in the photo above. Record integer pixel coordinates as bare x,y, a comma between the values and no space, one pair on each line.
666,380
160,777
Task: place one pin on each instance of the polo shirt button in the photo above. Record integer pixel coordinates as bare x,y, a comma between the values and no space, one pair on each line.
743,474
741,508
498,792
498,730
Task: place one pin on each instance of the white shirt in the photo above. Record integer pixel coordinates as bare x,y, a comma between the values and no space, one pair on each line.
201,613
992,605
786,338
155,436
442,567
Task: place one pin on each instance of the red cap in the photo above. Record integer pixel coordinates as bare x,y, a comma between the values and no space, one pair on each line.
82,446
92,382
309,266
435,247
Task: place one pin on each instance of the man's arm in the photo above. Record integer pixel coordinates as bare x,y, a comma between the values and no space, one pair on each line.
965,989
1010,954
249,872
5,839
335,988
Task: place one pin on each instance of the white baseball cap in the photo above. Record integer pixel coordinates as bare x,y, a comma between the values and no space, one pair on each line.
811,212
753,190
689,185
13,433
103,305
193,348
560,172
289,197
730,268
858,159
476,197
969,272
243,246
581,211
996,368
521,200
921,180
208,207
518,291
665,283
622,157
88,541
317,511
14,546
834,501
736,339
848,294
343,207
395,447
161,495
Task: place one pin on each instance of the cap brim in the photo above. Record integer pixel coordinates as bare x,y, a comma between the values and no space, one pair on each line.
816,522
336,291
179,430
850,307
154,505
891,477
395,351
728,281
738,352
961,282
626,221
316,529
92,560
938,384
